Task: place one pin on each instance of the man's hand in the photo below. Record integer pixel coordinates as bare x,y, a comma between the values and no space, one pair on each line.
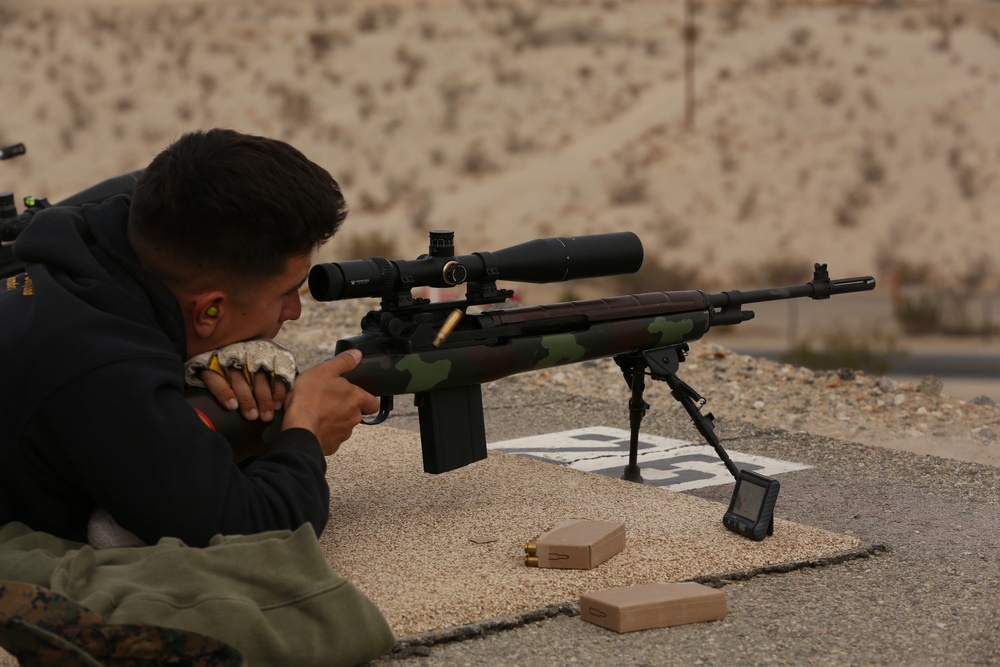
225,372
260,402
327,404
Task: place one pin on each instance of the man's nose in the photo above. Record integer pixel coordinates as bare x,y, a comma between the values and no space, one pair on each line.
292,308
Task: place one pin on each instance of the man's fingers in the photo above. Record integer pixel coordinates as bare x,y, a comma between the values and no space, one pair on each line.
263,396
347,361
370,405
327,404
248,404
220,389
344,362
279,393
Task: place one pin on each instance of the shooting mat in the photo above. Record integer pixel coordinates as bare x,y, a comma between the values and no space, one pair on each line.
439,551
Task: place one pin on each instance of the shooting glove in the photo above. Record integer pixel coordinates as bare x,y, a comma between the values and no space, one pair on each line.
248,357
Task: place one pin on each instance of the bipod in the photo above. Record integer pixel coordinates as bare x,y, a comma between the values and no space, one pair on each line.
663,364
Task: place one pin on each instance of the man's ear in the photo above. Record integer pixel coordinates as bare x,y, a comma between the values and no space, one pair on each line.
207,309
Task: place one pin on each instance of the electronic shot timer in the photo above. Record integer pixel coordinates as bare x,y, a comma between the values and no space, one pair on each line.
751,509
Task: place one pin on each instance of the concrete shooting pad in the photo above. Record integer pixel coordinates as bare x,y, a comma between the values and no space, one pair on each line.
436,552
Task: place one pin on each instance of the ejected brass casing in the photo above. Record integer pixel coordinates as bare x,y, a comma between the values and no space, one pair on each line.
448,326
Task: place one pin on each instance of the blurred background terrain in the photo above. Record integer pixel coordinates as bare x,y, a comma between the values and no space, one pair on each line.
741,140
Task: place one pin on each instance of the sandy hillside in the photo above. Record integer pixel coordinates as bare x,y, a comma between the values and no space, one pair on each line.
865,137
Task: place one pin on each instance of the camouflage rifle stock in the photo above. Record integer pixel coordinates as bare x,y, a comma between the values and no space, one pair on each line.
442,353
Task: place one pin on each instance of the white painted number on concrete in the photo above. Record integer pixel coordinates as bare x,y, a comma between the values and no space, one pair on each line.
677,465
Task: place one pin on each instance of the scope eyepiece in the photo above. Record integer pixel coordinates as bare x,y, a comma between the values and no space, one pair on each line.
539,261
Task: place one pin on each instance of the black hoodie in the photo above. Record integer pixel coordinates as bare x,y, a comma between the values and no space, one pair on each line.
92,410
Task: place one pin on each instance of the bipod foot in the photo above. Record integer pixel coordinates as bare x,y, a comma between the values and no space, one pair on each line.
632,474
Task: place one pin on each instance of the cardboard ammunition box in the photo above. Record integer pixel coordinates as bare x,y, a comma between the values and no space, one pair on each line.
580,544
654,605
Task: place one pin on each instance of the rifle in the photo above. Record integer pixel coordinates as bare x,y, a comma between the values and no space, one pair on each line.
442,353
13,223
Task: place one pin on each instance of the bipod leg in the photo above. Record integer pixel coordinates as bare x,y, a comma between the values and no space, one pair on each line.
634,369
663,364
705,423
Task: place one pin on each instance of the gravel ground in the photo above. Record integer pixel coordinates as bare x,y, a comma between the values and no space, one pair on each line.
928,592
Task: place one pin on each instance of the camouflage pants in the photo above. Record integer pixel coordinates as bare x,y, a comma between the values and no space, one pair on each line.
42,628
272,596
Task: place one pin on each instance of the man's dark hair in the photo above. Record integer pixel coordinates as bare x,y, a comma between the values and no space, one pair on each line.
221,201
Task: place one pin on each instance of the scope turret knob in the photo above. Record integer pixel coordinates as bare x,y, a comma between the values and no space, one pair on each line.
442,243
454,273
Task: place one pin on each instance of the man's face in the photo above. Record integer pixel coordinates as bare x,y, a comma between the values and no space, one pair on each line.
245,312
259,313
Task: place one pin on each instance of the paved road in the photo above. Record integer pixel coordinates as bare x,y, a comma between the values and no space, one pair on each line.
941,364
928,593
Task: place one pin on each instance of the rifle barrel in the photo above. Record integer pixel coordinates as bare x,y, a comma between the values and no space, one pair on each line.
815,289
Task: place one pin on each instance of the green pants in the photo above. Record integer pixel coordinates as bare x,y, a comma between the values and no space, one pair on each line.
273,596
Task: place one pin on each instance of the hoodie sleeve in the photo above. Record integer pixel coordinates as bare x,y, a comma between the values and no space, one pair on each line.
138,449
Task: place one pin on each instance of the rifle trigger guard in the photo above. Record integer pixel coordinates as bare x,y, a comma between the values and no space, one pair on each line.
384,408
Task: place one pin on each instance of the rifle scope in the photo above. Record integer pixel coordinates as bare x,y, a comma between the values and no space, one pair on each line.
540,261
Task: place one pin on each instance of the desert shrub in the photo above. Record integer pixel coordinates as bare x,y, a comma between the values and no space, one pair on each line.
967,177
655,276
379,17
829,92
629,188
904,271
728,160
855,199
871,168
453,96
872,351
411,63
775,273
918,313
419,210
569,294
515,142
370,244
930,309
730,13
295,107
748,204
977,274
322,42
477,161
